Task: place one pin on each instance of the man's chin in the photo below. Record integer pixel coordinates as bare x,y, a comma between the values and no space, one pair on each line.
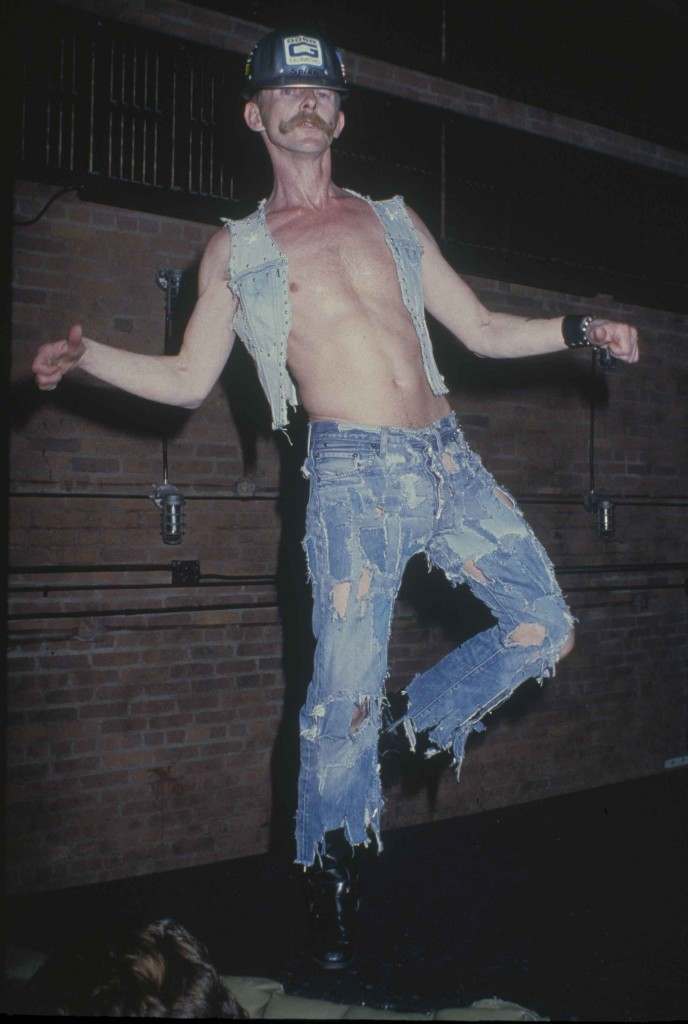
307,142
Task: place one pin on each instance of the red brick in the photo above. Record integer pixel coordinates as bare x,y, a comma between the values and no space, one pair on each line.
114,710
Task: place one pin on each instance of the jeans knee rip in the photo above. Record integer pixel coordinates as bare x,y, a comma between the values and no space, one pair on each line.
340,594
357,713
340,598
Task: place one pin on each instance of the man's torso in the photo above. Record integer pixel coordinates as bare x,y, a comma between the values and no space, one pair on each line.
353,349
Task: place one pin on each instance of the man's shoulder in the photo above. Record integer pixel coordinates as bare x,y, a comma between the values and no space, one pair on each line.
398,217
388,202
237,223
392,211
217,251
219,241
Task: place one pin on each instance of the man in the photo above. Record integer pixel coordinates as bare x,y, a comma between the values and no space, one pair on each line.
327,289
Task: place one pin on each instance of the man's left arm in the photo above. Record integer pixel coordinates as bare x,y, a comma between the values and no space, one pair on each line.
501,335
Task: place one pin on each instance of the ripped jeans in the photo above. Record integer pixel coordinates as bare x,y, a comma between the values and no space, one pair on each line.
378,496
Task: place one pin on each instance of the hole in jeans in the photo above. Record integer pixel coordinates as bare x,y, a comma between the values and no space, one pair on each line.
361,712
340,597
528,634
472,569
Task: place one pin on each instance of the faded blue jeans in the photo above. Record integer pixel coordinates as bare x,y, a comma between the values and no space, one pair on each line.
378,496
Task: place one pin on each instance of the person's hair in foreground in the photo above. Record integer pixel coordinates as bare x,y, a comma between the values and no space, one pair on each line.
159,971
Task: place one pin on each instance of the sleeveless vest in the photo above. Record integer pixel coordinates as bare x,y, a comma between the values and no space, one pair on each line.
259,279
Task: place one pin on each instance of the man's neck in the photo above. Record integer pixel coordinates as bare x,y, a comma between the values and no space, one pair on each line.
302,183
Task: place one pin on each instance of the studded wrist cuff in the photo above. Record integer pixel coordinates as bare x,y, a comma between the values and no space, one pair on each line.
575,331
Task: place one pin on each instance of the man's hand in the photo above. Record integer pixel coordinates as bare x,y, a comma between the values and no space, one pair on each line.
56,358
619,339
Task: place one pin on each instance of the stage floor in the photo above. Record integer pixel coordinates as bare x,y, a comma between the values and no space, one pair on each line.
575,907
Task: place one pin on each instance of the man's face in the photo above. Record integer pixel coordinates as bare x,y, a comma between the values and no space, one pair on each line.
298,118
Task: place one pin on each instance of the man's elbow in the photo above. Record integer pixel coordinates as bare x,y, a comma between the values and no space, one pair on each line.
476,343
194,399
191,403
191,391
477,335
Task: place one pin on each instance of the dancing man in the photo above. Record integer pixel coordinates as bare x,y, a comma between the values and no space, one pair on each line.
328,291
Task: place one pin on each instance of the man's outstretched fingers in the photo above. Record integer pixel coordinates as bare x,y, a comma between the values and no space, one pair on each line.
74,338
57,358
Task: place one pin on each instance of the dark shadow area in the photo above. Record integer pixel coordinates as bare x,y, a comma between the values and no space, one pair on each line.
459,615
575,907
295,603
436,603
248,404
549,375
113,409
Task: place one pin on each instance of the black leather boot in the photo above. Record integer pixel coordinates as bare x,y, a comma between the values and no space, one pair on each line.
332,888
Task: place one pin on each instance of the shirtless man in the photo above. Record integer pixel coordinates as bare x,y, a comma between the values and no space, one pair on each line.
327,289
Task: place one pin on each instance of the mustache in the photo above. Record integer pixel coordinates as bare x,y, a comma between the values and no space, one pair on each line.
298,119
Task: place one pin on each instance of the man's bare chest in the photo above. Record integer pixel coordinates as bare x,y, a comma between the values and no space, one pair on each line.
336,257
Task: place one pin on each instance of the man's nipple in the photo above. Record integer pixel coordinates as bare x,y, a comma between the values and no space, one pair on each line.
293,287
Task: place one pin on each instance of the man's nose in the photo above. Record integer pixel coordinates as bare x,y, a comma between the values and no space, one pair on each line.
309,100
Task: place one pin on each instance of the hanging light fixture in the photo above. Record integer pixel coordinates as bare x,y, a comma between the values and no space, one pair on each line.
605,518
603,510
171,503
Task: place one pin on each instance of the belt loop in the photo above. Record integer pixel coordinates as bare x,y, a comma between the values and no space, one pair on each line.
309,437
437,431
384,435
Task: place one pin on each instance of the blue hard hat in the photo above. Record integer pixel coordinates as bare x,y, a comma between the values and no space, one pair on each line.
285,58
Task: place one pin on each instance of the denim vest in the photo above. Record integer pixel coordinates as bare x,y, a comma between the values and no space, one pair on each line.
259,279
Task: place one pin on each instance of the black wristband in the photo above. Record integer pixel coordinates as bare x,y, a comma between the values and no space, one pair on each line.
575,331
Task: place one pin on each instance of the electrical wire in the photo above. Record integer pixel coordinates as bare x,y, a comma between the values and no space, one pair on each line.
63,191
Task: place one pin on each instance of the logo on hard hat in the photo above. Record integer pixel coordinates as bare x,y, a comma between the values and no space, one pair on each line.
303,50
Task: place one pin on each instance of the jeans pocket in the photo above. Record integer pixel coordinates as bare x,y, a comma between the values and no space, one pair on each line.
341,462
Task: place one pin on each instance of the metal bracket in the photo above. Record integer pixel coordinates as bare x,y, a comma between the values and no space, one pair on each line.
169,280
185,574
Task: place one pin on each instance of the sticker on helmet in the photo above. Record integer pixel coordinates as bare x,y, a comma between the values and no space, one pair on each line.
303,50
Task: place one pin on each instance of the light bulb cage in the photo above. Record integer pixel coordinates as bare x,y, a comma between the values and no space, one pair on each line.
603,509
169,500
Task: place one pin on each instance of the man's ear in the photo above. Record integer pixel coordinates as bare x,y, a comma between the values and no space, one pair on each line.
252,117
339,126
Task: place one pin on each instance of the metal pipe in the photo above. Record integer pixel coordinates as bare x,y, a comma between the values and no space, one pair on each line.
268,578
591,434
165,498
67,588
100,614
443,132
640,501
630,586
229,606
264,496
625,567
120,567
674,500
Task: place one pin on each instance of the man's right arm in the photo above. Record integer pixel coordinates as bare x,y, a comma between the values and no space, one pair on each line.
184,379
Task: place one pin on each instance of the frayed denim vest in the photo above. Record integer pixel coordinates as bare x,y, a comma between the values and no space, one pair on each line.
259,279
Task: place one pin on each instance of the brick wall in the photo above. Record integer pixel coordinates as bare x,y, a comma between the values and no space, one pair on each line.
152,727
